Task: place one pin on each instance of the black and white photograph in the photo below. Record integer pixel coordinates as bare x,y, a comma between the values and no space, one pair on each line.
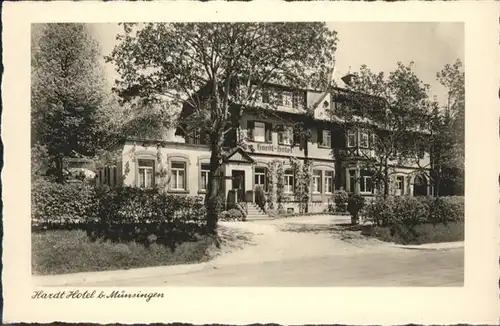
248,154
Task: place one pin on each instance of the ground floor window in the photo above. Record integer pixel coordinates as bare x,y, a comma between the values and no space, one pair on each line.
178,176
289,181
316,178
352,180
146,171
260,177
205,171
400,185
365,182
328,182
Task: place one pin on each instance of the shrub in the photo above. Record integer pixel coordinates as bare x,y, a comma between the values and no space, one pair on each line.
61,206
355,204
147,216
379,211
232,215
241,209
235,214
409,211
447,209
260,197
340,198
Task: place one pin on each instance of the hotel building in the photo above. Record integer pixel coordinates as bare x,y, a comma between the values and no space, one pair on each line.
335,155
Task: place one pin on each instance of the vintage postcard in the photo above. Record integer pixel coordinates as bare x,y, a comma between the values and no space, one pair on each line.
283,163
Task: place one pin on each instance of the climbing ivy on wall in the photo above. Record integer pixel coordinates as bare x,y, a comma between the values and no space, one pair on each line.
162,172
280,184
271,170
302,173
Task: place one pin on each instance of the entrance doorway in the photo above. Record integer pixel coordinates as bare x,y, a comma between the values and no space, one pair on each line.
420,186
238,184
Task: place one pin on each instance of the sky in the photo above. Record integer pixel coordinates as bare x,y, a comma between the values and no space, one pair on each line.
379,45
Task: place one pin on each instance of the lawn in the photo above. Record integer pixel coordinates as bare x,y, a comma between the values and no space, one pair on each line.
61,252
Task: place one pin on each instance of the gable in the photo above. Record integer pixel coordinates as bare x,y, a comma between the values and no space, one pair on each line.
238,155
323,104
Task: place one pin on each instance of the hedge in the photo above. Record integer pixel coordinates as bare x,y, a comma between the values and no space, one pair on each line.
61,206
124,214
404,219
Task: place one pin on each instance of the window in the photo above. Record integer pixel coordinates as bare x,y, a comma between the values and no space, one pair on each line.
265,96
328,182
400,185
327,138
285,135
288,181
297,100
324,138
364,139
205,171
146,173
352,180
421,151
178,176
365,184
373,140
259,133
260,177
115,170
287,98
351,138
316,178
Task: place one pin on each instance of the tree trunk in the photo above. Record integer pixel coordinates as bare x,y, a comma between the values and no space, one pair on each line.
386,179
212,196
306,161
59,169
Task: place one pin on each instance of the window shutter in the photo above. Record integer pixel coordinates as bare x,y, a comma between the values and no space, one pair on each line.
269,132
320,136
250,128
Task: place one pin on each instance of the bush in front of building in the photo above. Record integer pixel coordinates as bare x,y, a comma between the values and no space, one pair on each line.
61,206
147,216
233,214
340,198
355,204
415,220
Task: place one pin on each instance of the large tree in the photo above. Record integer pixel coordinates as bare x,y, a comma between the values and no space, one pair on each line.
390,109
448,132
66,91
205,65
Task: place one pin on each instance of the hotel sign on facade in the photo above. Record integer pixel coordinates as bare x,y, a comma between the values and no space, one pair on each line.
274,148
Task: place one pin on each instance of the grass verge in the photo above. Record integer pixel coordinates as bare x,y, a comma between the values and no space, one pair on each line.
62,251
425,233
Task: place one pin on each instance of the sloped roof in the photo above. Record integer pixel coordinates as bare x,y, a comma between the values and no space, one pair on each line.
238,155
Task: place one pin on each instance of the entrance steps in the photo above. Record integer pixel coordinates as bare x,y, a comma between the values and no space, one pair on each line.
254,213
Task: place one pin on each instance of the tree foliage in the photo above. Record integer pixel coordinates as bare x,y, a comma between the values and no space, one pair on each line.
392,110
66,92
213,68
448,132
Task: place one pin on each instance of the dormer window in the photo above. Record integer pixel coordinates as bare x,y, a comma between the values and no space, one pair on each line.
324,138
285,135
351,138
297,99
287,99
364,139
